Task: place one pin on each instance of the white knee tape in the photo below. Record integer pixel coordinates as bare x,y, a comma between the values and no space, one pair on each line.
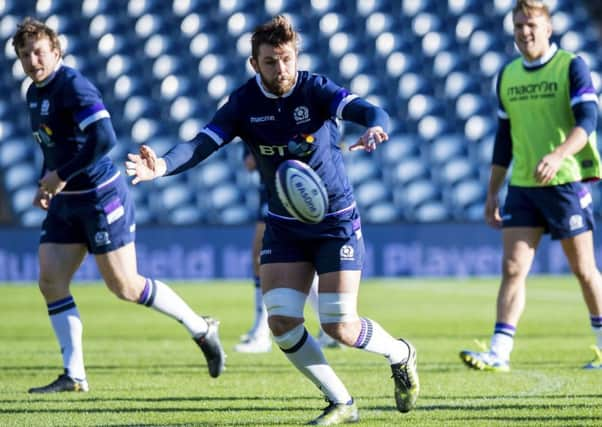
291,338
284,302
337,307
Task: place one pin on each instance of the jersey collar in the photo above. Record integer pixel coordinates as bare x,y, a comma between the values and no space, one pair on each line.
543,60
51,76
271,95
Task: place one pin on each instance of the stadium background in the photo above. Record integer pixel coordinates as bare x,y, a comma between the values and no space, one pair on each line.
164,66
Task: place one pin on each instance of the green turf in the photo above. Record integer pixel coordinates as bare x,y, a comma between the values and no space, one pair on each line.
144,370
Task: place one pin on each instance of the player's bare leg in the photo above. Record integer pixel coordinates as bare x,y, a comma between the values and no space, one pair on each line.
579,251
520,244
119,270
58,264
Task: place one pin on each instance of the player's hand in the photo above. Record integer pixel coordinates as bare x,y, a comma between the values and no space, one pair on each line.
42,199
492,212
51,183
144,166
370,139
547,168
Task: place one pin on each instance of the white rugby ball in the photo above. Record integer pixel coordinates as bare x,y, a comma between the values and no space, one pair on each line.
301,191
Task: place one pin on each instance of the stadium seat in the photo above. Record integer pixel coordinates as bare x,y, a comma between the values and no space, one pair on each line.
447,61
415,194
424,23
466,25
409,169
465,194
432,211
399,63
361,169
422,105
174,196
431,126
445,147
377,23
32,217
370,192
411,83
185,215
456,169
19,175
22,198
232,215
13,151
381,213
397,148
478,127
434,42
469,105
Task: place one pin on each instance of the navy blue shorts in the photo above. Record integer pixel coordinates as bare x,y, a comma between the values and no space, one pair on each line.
335,244
102,219
563,210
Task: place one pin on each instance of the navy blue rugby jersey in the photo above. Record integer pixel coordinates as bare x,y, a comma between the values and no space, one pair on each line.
298,125
60,110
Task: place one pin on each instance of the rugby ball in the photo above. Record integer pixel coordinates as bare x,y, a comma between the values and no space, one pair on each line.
301,191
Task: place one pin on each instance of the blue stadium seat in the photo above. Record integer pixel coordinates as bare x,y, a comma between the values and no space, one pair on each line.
447,61
411,83
233,215
456,169
32,217
465,194
432,211
22,198
409,169
377,23
381,213
370,192
361,169
434,42
399,63
175,195
14,151
398,147
19,175
421,105
432,126
203,43
445,147
459,82
471,104
415,194
185,215
424,23
478,127
341,43
466,25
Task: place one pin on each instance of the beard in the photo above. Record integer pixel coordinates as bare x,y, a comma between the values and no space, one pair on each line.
277,86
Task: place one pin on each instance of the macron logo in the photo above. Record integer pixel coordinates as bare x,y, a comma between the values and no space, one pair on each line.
262,119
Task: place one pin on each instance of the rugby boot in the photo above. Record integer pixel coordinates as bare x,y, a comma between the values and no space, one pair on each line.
63,383
211,347
337,413
407,384
596,363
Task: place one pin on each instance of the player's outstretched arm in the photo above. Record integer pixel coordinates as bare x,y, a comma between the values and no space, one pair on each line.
144,166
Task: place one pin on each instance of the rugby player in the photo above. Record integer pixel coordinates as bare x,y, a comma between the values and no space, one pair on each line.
257,339
273,113
88,206
547,121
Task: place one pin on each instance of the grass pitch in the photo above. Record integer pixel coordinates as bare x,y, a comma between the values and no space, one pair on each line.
144,370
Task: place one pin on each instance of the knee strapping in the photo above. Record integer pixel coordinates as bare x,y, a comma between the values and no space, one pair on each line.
337,307
284,302
291,339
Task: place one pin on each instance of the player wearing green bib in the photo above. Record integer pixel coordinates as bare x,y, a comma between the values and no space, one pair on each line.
547,120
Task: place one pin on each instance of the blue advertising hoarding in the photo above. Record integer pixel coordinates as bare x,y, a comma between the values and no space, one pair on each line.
204,253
